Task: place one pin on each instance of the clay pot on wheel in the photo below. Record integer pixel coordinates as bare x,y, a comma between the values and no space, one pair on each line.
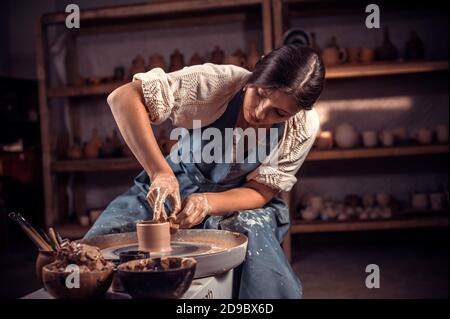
153,237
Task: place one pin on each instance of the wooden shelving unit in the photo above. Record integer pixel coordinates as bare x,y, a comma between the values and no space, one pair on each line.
128,18
283,12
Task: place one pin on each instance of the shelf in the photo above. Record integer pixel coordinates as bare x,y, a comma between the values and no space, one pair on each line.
340,154
83,90
336,72
418,222
384,68
93,165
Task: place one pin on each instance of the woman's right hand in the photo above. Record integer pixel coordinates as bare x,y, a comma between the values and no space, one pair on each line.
163,186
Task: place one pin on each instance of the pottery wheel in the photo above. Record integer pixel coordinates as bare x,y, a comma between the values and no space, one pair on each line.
179,249
216,251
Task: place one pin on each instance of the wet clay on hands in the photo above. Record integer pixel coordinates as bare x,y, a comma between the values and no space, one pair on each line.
195,208
163,186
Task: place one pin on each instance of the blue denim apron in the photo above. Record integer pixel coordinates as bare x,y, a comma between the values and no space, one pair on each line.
266,273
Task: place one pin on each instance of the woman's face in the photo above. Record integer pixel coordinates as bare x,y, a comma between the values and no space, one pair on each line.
265,107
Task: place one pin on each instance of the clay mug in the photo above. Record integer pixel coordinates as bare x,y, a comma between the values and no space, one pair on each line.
367,55
370,138
153,237
437,201
387,138
333,56
442,133
354,55
424,136
419,201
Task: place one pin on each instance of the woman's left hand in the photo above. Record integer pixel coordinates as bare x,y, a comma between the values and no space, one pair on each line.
194,209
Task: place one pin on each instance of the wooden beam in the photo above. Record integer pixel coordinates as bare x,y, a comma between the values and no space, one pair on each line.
149,9
267,26
50,216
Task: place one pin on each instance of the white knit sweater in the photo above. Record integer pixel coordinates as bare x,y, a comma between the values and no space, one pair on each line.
202,92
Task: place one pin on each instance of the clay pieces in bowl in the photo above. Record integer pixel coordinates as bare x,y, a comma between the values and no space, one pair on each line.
92,284
163,278
79,271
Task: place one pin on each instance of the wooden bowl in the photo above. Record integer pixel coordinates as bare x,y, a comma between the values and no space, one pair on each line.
163,278
92,284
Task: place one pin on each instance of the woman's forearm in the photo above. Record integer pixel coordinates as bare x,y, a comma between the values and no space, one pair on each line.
129,112
250,196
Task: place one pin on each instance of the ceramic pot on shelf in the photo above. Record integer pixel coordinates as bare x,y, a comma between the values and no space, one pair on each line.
92,148
387,51
156,61
217,55
333,54
176,61
414,47
196,59
137,66
346,136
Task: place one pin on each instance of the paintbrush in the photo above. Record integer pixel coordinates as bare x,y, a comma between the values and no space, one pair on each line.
52,235
30,231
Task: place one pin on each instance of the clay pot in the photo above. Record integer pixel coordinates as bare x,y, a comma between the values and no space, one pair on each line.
196,59
217,55
387,138
332,54
423,136
253,57
324,140
370,138
419,201
414,48
44,258
367,55
156,61
387,51
354,55
93,284
137,66
75,151
176,61
238,58
442,133
346,136
153,237
92,148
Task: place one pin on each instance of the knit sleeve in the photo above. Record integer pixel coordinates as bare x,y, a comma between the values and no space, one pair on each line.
279,169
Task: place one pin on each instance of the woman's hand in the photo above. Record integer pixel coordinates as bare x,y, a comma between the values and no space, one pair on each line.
163,186
195,209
